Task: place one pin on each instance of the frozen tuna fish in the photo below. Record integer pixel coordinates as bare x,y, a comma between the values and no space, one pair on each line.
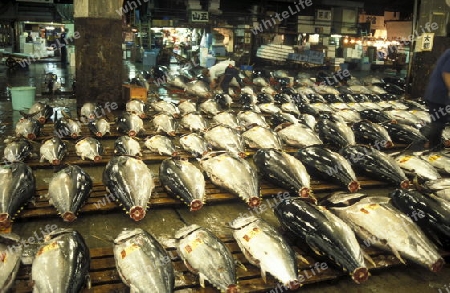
143,263
68,190
131,183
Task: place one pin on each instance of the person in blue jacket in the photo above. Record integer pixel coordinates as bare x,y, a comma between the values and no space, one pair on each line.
437,97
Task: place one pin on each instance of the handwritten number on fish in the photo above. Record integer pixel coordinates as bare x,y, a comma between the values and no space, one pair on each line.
193,245
47,248
251,234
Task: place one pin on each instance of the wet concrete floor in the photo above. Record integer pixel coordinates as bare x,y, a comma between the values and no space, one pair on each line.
99,229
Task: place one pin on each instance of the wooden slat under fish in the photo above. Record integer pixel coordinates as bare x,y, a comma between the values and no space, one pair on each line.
105,278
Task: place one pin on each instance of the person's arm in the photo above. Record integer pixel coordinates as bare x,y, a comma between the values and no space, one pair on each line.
446,79
445,71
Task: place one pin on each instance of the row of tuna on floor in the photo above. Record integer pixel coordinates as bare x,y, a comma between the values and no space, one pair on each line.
402,226
269,82
226,130
335,132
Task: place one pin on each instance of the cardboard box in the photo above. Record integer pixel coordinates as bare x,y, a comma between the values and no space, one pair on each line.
131,92
348,52
316,57
303,56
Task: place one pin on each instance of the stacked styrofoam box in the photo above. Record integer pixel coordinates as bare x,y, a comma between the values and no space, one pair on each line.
331,51
364,64
338,61
335,63
326,30
72,59
305,24
28,48
22,43
274,52
214,7
356,54
324,24
193,5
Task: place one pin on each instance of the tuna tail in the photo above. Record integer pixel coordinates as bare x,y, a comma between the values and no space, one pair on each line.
389,144
353,186
437,266
232,289
404,184
360,275
307,194
69,217
254,201
137,213
293,285
5,221
242,155
304,192
196,204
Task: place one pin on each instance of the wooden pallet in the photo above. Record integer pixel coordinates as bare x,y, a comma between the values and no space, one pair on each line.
106,279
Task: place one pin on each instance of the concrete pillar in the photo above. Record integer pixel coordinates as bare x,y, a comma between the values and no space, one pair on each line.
98,56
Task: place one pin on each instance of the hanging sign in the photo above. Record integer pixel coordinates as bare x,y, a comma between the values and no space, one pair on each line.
427,41
199,16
